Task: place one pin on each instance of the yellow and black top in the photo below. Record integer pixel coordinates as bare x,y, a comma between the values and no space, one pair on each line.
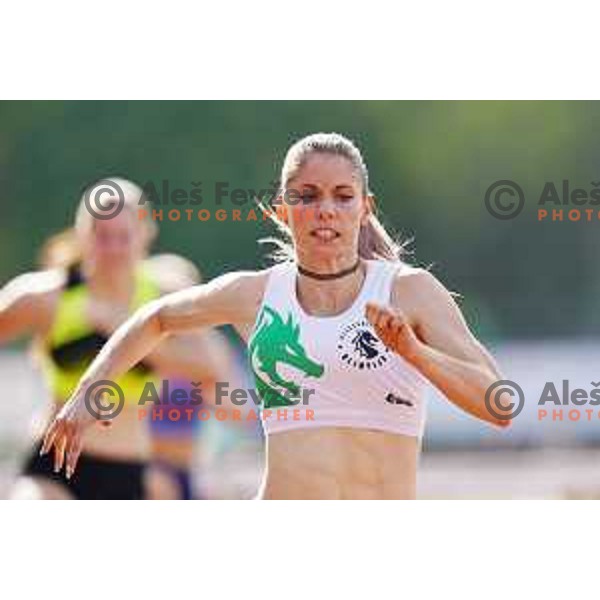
72,342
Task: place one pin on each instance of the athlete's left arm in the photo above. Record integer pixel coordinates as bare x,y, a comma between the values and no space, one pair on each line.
426,327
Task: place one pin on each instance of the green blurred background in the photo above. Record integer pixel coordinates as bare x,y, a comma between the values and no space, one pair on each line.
430,164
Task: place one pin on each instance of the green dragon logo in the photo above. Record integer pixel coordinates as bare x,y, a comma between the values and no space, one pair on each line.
276,342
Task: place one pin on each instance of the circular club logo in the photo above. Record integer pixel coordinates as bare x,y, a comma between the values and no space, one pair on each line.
360,348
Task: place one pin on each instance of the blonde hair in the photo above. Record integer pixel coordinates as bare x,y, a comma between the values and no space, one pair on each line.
63,249
124,190
60,250
374,241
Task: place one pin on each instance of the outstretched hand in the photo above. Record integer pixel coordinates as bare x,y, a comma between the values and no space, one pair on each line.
65,433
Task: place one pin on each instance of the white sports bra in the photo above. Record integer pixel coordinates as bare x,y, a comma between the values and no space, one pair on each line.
331,371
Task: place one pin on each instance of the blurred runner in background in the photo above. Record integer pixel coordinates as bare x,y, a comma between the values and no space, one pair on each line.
93,277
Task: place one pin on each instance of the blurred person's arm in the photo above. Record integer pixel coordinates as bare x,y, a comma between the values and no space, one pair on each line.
186,355
230,299
27,303
194,356
436,340
197,355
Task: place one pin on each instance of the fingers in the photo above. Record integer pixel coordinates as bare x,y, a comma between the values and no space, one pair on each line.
379,314
51,435
387,324
371,310
383,318
396,326
59,452
386,336
65,438
73,452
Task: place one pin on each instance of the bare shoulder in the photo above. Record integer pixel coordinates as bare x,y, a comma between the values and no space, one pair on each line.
33,297
409,279
245,290
232,298
415,289
36,284
246,285
171,272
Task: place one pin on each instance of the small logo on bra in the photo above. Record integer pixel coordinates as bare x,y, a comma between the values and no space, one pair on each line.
359,347
393,399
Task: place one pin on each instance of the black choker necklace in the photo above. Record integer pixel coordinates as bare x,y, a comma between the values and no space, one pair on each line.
329,276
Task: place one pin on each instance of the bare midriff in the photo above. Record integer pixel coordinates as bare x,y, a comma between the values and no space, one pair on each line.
340,463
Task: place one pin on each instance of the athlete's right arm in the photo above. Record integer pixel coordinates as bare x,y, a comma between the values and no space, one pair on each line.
26,304
230,299
224,300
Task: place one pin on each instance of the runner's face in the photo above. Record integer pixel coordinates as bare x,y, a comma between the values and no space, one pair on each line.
326,221
116,242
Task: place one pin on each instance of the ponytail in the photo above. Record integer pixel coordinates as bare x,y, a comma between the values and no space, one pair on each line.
61,250
375,243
